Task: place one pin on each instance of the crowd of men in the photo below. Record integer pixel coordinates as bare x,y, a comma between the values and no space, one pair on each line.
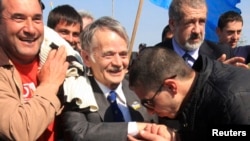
178,89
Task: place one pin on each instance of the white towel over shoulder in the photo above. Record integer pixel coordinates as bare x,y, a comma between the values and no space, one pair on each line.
76,85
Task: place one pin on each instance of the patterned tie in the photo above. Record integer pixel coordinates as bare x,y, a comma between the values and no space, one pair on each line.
187,57
118,117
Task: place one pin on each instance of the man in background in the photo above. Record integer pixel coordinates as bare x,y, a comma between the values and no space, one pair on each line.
229,28
66,21
87,18
229,31
187,20
166,33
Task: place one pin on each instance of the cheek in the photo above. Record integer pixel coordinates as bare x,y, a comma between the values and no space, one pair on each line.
126,62
76,39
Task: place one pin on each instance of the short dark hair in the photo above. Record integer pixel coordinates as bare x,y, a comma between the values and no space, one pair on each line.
1,7
63,13
154,64
165,30
42,5
227,17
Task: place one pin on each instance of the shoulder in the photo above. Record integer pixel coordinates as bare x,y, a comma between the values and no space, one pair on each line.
215,50
167,43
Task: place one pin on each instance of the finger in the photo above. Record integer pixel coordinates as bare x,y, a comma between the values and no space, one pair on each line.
148,127
131,138
51,54
234,60
239,59
147,135
242,65
222,58
166,132
163,130
61,54
155,128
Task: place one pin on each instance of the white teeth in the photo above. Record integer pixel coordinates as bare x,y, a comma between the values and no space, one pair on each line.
27,40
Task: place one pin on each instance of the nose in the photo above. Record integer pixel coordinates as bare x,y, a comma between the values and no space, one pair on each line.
197,28
29,27
235,35
117,60
69,39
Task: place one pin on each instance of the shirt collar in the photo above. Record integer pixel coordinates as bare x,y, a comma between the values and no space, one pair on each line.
118,90
177,48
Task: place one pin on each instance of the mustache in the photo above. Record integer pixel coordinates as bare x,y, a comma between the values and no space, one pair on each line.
195,36
116,69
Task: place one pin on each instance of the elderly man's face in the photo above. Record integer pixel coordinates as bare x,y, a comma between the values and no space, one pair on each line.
190,31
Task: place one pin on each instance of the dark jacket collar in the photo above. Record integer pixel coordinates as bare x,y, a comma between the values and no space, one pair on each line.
203,66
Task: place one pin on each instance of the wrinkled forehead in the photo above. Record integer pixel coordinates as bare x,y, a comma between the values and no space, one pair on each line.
194,12
186,12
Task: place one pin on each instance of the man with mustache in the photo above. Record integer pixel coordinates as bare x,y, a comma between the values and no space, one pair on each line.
28,92
187,20
105,53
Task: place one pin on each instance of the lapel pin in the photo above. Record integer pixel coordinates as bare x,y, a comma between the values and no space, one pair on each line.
136,105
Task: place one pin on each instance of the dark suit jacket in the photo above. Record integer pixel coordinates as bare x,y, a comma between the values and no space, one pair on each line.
98,126
208,48
243,51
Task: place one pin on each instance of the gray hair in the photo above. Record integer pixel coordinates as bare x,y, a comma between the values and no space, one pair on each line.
175,10
86,37
86,14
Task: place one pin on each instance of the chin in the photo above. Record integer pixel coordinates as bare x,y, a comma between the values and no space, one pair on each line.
116,80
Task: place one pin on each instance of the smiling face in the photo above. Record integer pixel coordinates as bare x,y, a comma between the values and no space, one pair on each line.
109,58
22,29
69,32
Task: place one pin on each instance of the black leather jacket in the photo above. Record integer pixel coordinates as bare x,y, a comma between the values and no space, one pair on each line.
219,96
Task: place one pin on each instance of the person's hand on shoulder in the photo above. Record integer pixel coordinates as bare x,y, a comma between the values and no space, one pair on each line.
53,72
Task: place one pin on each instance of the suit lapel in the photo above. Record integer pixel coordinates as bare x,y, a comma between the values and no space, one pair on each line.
206,50
100,99
133,102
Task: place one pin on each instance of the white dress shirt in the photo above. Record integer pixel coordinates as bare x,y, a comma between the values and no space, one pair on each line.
194,54
122,104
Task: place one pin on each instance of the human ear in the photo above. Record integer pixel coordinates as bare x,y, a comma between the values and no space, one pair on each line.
171,86
171,24
86,57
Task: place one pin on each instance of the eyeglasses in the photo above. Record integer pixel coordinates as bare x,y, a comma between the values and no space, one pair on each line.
149,103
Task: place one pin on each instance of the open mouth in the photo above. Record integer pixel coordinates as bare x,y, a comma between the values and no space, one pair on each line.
28,40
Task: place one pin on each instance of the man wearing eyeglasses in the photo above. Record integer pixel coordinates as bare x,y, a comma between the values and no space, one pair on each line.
210,96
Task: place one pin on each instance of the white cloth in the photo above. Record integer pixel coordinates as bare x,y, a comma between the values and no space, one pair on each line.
76,85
